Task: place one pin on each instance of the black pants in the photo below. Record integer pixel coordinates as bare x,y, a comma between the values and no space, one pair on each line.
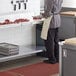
51,44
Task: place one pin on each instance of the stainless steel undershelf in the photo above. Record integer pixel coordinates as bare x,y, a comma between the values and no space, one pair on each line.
24,51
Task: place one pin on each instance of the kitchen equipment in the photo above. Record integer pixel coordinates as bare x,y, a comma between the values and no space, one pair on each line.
67,58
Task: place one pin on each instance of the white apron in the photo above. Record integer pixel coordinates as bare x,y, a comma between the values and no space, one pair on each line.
45,28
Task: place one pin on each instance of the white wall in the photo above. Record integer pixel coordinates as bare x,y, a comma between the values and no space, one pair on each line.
69,3
5,6
66,3
41,4
7,12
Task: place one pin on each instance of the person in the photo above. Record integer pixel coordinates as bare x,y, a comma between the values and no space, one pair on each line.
52,7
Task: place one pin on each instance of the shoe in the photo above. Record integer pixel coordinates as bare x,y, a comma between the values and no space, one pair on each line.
57,60
49,61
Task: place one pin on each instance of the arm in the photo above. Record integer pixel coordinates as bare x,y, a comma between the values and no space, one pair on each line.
57,7
48,6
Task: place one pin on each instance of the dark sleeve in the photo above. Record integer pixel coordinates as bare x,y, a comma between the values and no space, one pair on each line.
57,8
48,5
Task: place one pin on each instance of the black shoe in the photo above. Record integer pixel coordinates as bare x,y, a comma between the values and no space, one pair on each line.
49,61
57,60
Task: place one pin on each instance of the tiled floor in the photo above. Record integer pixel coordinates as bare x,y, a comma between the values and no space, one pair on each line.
20,62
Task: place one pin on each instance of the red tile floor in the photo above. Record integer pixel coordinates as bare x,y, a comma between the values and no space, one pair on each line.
35,69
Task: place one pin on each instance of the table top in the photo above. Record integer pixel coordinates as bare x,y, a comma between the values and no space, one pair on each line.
69,13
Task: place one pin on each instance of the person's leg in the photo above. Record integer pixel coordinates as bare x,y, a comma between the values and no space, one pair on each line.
56,47
49,44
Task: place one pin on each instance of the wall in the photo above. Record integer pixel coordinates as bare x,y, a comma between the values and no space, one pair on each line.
41,4
7,9
69,3
66,3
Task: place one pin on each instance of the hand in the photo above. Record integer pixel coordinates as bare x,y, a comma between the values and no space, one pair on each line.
44,15
37,17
